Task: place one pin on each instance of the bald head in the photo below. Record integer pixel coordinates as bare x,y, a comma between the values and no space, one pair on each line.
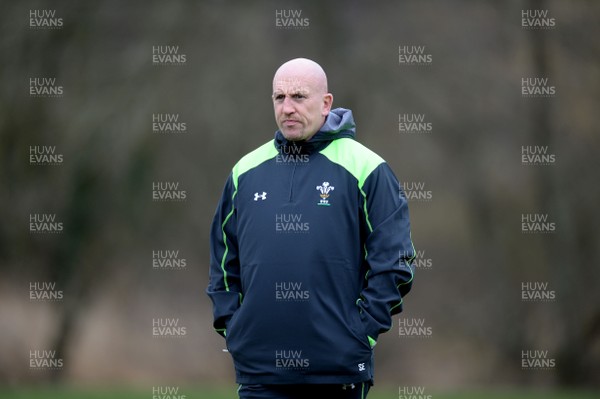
300,98
301,71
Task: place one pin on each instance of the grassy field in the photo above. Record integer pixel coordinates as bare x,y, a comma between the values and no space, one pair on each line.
229,393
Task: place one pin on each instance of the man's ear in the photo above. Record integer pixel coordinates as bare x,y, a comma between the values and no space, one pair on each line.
327,103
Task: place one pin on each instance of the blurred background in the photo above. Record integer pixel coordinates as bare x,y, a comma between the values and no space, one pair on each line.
507,239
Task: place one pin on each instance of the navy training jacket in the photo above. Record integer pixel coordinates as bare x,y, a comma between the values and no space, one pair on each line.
310,257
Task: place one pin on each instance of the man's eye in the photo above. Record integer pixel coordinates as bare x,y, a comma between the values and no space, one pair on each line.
279,97
298,96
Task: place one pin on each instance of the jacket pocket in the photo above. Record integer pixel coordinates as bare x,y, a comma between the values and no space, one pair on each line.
359,327
231,324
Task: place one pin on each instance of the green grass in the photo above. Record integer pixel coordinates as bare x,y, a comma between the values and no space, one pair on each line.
512,395
229,393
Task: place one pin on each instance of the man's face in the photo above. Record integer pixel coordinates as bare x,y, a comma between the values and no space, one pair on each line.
300,105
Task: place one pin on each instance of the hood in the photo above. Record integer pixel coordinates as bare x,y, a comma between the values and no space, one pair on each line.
338,124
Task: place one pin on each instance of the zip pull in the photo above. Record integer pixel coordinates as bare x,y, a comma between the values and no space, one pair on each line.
344,386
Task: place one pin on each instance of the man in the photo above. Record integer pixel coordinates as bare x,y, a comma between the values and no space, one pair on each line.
310,250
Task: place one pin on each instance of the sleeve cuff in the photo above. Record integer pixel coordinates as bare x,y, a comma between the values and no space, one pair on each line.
372,341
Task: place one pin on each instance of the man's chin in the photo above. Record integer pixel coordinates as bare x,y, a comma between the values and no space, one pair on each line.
293,135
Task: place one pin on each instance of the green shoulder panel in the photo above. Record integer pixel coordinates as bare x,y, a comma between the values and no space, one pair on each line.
253,159
357,159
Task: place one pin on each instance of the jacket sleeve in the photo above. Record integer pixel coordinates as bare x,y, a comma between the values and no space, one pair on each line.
389,251
224,287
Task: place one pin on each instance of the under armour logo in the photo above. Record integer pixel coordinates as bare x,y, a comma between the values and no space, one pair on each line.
262,196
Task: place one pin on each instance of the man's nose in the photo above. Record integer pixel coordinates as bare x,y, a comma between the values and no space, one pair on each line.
288,106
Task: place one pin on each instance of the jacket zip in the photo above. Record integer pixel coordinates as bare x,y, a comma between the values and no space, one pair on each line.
292,183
